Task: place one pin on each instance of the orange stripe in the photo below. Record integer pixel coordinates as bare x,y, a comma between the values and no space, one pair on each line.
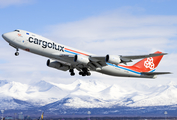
76,51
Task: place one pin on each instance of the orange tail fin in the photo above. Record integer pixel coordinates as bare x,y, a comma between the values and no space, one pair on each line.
148,64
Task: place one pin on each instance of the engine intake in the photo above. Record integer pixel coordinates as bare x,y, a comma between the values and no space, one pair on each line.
113,59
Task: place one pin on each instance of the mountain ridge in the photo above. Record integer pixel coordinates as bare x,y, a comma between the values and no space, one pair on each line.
85,94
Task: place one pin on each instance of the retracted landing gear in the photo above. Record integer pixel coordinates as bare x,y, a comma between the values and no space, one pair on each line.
16,53
71,72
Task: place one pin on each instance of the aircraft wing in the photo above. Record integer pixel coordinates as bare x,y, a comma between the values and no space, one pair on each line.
99,61
124,59
94,61
130,58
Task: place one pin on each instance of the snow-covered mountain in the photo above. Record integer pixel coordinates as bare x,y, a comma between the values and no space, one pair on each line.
85,94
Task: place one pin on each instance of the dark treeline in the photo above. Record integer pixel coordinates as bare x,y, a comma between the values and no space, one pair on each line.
117,118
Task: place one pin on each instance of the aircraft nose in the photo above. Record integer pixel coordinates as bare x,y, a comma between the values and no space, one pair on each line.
6,36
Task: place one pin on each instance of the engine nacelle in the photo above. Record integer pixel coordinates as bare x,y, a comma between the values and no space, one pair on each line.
81,59
114,59
57,65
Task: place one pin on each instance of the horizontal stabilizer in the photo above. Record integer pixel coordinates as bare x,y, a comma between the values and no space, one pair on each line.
155,73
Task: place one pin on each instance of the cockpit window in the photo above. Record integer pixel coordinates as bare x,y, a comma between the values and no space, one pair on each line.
17,30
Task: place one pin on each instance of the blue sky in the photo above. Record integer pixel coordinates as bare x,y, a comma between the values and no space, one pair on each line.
26,15
125,27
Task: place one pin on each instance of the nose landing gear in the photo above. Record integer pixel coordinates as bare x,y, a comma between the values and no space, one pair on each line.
16,53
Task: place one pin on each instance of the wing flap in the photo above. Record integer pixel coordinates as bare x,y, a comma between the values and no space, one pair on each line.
98,60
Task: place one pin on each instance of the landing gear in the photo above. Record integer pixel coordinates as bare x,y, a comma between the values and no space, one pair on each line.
16,53
80,73
88,73
71,72
85,72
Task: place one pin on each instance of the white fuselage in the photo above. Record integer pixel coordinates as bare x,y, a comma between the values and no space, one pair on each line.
42,46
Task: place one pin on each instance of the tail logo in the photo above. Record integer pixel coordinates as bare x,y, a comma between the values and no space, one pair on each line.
149,63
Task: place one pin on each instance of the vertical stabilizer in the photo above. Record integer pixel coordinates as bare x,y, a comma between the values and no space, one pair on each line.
148,64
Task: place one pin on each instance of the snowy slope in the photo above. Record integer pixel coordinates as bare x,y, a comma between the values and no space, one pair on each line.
86,94
39,94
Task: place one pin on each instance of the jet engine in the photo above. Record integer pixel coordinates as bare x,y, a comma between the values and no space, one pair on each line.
57,65
81,59
114,59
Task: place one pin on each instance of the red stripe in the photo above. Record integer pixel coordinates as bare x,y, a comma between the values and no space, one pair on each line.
76,51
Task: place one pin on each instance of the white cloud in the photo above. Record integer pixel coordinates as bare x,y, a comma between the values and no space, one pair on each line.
5,3
115,32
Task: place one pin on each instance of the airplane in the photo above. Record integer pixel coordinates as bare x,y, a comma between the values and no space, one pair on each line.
65,58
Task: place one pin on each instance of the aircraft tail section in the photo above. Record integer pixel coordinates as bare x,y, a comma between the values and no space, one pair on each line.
148,64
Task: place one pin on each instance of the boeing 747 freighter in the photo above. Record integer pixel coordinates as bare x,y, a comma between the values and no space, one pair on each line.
66,58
